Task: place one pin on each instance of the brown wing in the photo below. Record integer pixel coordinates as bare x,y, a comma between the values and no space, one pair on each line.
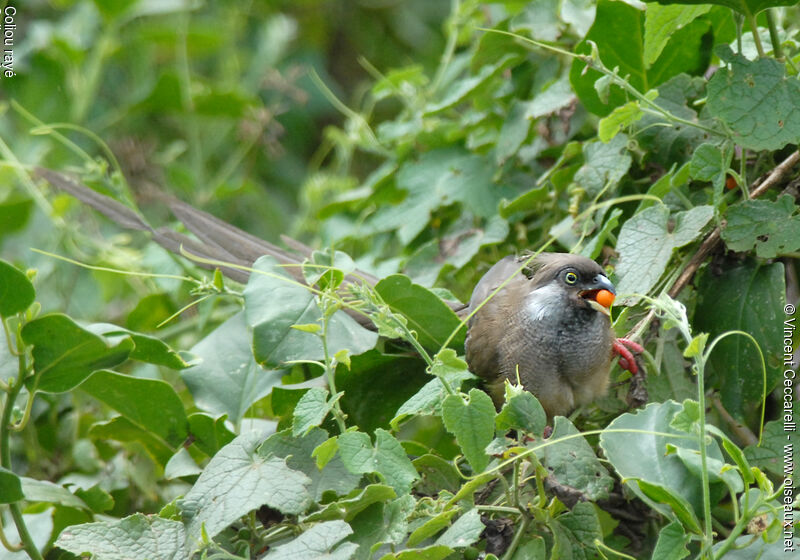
488,322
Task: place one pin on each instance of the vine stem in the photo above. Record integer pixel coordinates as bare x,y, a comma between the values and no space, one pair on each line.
450,47
15,386
330,373
708,536
517,537
751,20
777,49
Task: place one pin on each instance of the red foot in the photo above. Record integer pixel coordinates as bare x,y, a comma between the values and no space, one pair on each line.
626,359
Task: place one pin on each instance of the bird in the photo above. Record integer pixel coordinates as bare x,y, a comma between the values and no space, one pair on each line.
536,319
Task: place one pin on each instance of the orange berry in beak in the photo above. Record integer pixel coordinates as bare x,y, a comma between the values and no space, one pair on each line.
605,298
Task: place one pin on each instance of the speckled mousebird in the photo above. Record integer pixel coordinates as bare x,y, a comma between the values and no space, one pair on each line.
545,325
545,321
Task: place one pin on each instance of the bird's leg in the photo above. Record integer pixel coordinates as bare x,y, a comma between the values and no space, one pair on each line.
622,347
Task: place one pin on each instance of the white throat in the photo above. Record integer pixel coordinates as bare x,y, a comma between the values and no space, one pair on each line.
540,302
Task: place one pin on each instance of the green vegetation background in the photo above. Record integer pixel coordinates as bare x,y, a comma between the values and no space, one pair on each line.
423,138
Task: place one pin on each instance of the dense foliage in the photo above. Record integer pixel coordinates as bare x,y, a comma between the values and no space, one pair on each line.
154,409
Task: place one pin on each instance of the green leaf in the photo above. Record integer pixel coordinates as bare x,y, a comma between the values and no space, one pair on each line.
672,541
325,451
604,164
437,475
376,385
428,316
768,456
540,19
150,311
209,434
655,476
238,480
381,523
311,410
48,492
396,79
646,242
771,227
227,380
64,354
146,348
447,366
674,145
327,271
317,543
455,245
710,164
697,346
576,531
313,328
513,133
757,100
747,548
551,99
433,552
532,549
466,530
120,428
470,487
573,463
673,381
181,464
596,244
439,178
662,22
521,411
151,404
748,297
137,536
688,419
678,504
354,503
735,453
621,117
459,90
387,458
15,212
16,291
10,487
274,302
9,363
472,423
40,526
619,31
298,452
744,7
98,500
718,471
431,526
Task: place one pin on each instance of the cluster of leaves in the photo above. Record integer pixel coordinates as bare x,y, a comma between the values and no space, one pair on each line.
290,430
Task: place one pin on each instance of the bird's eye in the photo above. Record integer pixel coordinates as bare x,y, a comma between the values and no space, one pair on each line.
570,278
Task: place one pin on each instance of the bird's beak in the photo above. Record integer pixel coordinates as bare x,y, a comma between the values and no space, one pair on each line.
600,283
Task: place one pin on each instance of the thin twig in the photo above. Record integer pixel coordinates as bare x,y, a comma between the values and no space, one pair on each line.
744,433
776,174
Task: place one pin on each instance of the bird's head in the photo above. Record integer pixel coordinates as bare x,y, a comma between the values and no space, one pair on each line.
583,280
